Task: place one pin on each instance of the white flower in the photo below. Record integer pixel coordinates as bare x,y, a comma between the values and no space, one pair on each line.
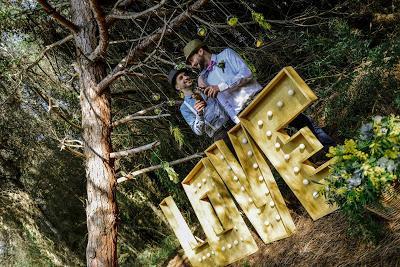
366,131
356,179
377,119
382,162
391,166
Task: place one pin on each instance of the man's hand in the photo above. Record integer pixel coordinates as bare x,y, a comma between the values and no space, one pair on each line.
211,91
199,106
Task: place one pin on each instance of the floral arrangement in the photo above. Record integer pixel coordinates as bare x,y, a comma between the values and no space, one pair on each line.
365,167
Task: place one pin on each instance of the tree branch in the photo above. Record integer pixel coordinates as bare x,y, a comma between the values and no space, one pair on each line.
58,17
161,76
164,60
98,13
104,86
220,25
63,114
131,175
111,19
135,150
149,117
74,152
138,50
47,48
136,15
136,115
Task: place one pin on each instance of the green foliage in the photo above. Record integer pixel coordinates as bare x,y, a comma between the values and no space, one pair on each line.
397,102
177,134
365,167
250,64
173,176
156,256
261,21
22,239
353,76
180,66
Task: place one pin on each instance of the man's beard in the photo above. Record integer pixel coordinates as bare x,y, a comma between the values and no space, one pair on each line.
202,63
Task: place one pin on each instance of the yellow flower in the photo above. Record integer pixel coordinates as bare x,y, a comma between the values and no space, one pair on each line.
361,155
373,180
379,170
202,31
259,43
232,21
393,153
366,168
349,145
341,191
393,138
332,152
374,148
347,156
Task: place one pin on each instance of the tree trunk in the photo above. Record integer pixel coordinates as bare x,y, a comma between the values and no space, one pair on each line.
101,207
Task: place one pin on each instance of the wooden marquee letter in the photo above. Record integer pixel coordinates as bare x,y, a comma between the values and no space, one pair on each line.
219,217
228,238
192,247
284,98
252,185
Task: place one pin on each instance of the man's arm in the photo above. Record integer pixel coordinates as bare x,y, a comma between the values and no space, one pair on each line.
201,82
242,72
196,122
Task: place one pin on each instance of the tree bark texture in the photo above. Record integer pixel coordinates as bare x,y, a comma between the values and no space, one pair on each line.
101,210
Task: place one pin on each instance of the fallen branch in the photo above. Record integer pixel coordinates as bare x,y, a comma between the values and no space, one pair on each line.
151,117
135,150
127,40
131,175
70,143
